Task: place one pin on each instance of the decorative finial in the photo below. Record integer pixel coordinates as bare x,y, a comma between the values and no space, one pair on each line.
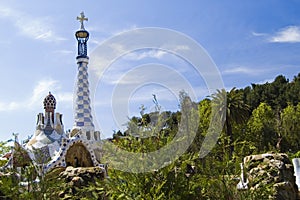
81,19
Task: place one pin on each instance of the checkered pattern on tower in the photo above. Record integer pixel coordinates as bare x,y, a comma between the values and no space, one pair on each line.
83,115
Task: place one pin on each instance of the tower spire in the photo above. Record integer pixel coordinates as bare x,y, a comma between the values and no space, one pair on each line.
82,36
83,115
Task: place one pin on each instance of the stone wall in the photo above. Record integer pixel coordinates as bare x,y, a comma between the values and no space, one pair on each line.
272,173
78,178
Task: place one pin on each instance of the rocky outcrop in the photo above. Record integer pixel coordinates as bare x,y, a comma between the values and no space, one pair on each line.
78,178
273,174
83,174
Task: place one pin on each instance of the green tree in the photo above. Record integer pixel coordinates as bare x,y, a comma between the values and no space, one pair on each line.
236,111
204,110
293,92
261,128
276,94
290,128
4,149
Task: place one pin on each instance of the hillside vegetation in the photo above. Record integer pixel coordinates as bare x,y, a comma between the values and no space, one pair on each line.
257,119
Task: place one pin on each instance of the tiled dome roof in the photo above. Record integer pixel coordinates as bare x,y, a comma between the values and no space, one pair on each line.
49,102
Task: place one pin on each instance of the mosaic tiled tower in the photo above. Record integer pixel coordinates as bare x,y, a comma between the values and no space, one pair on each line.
50,147
83,115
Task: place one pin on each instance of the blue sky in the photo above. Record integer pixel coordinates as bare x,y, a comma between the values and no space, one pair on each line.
249,41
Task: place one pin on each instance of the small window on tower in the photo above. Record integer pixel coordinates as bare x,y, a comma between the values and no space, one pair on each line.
88,135
96,135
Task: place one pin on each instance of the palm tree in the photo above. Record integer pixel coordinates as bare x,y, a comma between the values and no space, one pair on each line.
232,109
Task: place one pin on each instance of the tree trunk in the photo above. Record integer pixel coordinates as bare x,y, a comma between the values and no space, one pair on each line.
229,133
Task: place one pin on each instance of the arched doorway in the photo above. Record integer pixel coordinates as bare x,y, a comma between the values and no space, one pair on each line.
78,156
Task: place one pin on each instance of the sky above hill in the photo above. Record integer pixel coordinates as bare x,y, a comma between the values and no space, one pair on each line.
249,42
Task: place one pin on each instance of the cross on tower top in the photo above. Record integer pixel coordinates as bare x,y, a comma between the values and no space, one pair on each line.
81,19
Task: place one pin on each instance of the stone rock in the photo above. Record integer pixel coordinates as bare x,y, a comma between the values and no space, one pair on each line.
78,178
273,171
82,175
77,181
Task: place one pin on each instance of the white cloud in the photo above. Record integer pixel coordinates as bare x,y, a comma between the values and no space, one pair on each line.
116,69
139,55
258,34
290,34
42,89
181,48
242,70
130,28
39,92
154,53
265,81
30,26
5,12
9,106
64,97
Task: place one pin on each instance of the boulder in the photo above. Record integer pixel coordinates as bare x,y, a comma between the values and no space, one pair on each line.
271,172
78,178
82,175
